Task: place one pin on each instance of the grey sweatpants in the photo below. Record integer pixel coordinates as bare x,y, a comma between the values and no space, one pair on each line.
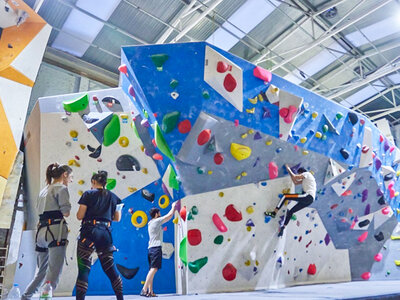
50,263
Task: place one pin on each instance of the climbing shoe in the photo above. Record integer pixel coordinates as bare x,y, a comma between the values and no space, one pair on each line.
271,214
281,229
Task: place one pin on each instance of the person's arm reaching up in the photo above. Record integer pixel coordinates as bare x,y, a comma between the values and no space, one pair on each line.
297,179
170,214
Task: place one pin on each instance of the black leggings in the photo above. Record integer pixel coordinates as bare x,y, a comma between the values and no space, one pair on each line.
303,200
96,238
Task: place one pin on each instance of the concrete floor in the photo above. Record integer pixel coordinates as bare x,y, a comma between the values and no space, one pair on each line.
348,290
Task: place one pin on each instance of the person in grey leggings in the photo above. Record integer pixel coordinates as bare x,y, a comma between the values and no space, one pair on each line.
51,238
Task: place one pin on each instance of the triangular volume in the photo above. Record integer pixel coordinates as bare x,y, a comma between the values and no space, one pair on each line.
331,128
8,148
96,122
334,169
289,105
272,94
343,185
169,181
224,76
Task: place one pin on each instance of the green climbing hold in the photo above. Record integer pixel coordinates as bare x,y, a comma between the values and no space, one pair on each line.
200,170
323,137
206,95
159,60
145,114
294,218
162,144
196,265
219,239
135,130
195,210
339,116
174,83
190,216
169,121
76,105
325,128
183,251
172,181
111,131
111,183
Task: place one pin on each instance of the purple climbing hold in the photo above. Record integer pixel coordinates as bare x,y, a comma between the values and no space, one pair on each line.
250,223
327,239
266,112
378,163
386,145
364,195
379,192
257,136
367,209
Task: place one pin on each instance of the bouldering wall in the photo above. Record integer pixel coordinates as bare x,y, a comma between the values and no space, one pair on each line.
23,39
90,132
221,130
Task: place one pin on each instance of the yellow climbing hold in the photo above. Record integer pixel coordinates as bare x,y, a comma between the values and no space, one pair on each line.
250,131
305,152
221,194
142,148
81,182
247,263
132,189
73,162
82,146
303,140
240,152
144,170
395,237
143,219
250,209
80,193
314,115
396,194
123,141
253,100
73,134
257,263
397,262
251,111
229,239
260,98
124,116
209,172
175,221
318,135
248,228
398,211
244,174
244,135
398,173
268,142
238,177
274,90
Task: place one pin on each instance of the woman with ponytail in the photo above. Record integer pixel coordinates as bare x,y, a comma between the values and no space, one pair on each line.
51,237
98,207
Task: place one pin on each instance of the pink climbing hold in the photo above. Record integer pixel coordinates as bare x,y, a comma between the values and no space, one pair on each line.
236,122
184,126
218,158
232,213
222,67
194,237
366,275
123,69
131,91
182,213
312,269
273,170
378,257
204,137
381,138
385,210
391,149
229,272
157,156
288,113
219,223
363,237
263,74
154,142
230,83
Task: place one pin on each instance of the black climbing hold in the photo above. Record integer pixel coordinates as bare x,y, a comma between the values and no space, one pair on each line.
381,201
344,153
89,120
363,223
112,104
90,148
388,177
148,195
127,162
379,237
96,153
353,118
126,272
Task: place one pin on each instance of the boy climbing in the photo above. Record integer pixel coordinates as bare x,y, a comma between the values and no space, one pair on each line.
303,200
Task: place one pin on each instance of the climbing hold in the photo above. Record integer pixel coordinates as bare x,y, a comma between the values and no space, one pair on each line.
174,83
73,134
163,201
385,210
303,140
111,131
363,237
229,272
262,74
364,195
162,144
194,237
183,251
184,126
253,100
123,141
273,170
174,95
126,272
312,269
159,60
218,158
81,182
344,153
324,137
219,223
325,128
123,69
169,121
378,257
366,275
305,152
244,135
148,195
232,213
205,95
136,215
339,115
314,115
250,209
378,163
379,237
266,112
157,156
76,105
318,135
250,110
73,162
196,265
250,223
240,152
353,118
287,113
229,83
127,162
194,210
182,213
219,239
257,136
175,221
203,137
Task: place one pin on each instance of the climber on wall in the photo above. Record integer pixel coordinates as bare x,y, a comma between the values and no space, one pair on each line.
51,237
155,251
97,209
303,200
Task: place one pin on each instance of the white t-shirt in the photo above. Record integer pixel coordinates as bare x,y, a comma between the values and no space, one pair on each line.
308,184
155,232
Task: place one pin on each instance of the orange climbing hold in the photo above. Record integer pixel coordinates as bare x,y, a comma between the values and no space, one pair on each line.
204,137
219,223
312,269
232,213
229,272
194,237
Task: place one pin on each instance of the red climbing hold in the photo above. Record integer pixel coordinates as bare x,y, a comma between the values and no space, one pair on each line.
363,237
184,126
157,156
194,237
312,269
273,170
263,74
219,223
229,272
222,67
218,158
347,193
232,214
229,83
183,213
123,68
381,138
154,142
204,137
366,275
386,210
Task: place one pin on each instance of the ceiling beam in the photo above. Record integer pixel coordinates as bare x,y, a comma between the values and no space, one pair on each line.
395,87
387,112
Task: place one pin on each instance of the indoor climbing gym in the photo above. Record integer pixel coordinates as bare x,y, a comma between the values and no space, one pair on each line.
199,149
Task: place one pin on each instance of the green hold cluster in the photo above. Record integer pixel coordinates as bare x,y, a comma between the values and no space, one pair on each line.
196,265
76,105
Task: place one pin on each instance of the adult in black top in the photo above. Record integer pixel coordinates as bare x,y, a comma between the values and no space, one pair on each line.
97,209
